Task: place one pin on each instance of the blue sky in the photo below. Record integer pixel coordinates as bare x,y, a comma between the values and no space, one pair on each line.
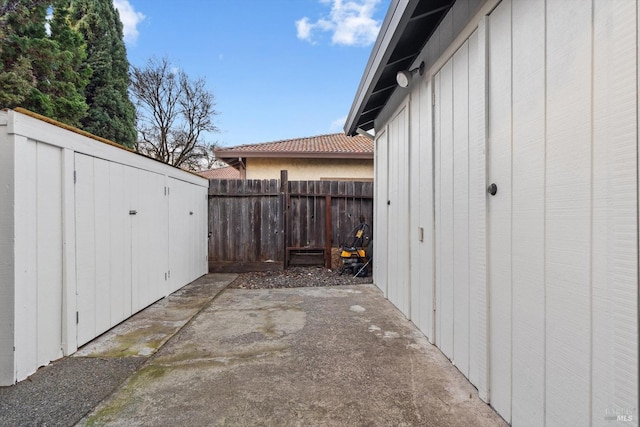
279,68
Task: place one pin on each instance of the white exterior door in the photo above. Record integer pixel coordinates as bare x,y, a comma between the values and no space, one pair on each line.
103,242
398,207
121,238
459,205
562,226
187,225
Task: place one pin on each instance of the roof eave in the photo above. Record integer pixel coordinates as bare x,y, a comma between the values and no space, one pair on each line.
234,155
397,17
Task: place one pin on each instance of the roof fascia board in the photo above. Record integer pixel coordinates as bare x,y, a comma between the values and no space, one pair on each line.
434,64
291,155
397,18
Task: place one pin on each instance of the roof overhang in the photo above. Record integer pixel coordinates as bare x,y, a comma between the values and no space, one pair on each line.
406,29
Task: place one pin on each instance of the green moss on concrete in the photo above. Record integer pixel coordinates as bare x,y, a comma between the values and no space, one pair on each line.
122,400
132,342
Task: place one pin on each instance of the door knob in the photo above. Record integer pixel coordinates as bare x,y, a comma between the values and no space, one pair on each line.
492,189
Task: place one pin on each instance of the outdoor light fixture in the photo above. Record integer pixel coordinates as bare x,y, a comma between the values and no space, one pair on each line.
404,77
364,133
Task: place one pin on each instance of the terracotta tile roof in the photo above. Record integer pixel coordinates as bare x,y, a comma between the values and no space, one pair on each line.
332,144
226,172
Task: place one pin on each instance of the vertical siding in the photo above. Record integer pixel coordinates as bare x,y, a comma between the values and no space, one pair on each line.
123,259
49,252
38,316
528,216
7,254
398,263
102,245
574,244
545,273
149,247
85,244
459,197
70,255
614,205
381,213
119,196
477,212
437,185
69,289
444,213
461,209
25,252
421,211
187,205
568,212
499,209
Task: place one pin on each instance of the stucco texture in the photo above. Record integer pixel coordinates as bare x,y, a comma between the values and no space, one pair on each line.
311,169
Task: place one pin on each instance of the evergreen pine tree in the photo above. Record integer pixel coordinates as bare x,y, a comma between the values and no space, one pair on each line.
73,73
42,72
111,112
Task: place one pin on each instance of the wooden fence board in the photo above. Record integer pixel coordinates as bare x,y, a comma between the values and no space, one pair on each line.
253,222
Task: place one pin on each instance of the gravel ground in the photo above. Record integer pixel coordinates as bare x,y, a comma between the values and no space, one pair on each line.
63,392
296,277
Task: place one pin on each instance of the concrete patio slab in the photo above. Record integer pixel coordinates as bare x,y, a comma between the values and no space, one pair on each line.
145,332
303,356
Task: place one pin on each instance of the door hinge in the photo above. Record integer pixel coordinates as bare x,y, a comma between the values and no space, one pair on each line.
74,177
77,317
433,99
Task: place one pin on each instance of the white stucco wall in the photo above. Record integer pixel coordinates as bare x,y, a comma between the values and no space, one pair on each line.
310,169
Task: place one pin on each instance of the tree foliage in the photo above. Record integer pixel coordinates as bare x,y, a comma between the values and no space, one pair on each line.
12,10
174,114
111,113
72,67
43,72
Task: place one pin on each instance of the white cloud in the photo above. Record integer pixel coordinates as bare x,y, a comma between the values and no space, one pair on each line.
303,28
130,19
351,23
338,124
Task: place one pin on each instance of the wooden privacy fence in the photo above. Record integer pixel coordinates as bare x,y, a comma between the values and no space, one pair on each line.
270,224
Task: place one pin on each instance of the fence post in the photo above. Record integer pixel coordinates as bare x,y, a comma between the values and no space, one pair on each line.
284,202
327,232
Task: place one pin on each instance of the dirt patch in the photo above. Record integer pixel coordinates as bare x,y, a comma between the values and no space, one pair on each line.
296,277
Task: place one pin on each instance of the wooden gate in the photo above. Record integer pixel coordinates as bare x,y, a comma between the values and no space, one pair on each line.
259,225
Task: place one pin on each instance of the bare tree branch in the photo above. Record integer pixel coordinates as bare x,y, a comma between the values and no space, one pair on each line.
174,112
